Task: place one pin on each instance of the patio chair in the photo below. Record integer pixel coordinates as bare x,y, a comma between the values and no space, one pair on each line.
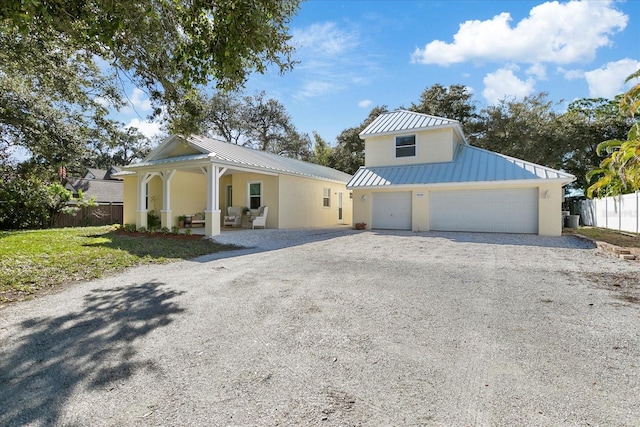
261,219
233,217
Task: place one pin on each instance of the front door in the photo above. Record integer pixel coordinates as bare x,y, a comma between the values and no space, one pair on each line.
340,219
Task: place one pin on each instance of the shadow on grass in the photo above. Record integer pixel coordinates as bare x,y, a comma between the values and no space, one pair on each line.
159,245
94,347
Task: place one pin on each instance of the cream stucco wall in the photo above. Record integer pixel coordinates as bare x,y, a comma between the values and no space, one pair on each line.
432,146
292,201
130,199
301,203
549,209
188,194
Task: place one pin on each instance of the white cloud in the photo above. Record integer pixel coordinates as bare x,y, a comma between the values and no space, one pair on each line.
103,101
504,83
554,32
538,71
331,59
312,89
571,74
140,101
148,129
608,81
365,103
325,39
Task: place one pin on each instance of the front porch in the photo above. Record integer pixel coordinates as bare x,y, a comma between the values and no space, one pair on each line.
199,195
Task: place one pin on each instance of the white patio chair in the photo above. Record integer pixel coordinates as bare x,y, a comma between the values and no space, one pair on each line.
233,217
261,219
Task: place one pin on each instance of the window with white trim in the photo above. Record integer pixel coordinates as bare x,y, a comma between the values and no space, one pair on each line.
406,146
255,195
326,197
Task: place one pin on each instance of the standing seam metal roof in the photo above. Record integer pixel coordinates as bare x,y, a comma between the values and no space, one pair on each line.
232,155
403,120
471,164
237,154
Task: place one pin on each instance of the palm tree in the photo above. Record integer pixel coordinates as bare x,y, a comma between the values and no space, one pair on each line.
619,173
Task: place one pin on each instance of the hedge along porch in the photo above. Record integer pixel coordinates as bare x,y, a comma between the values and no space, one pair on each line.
192,175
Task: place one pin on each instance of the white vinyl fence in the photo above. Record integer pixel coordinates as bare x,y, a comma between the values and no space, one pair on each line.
616,213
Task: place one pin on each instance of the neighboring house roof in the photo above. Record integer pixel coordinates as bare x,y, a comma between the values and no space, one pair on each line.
103,191
93,173
405,121
233,155
470,165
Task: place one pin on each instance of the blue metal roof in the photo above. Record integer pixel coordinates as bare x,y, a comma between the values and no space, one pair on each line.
403,120
470,165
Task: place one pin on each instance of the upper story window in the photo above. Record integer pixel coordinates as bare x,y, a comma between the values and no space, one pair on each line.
406,146
255,195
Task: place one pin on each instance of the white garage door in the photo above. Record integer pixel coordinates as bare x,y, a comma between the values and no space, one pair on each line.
392,210
497,211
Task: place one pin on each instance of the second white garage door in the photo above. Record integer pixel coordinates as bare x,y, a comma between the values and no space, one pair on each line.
496,211
392,211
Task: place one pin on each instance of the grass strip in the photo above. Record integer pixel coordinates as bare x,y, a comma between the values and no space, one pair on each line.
34,260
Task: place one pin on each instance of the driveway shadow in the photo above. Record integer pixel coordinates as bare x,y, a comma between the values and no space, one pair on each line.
563,242
264,240
53,356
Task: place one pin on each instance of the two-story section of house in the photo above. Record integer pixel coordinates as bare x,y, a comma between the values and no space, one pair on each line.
420,174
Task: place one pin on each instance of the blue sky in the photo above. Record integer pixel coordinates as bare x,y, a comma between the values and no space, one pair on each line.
354,55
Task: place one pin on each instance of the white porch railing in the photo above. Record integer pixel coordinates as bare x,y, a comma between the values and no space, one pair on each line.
617,213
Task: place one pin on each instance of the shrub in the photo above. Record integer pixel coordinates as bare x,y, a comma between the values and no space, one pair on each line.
187,232
130,228
143,230
153,220
165,230
175,230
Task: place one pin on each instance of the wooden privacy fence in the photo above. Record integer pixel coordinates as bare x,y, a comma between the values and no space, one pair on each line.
617,213
94,215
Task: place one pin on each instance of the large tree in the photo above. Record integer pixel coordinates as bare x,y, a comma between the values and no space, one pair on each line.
348,154
585,124
254,121
167,46
321,150
52,97
525,129
455,102
62,63
619,172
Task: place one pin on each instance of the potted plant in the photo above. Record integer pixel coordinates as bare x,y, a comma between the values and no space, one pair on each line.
181,220
246,211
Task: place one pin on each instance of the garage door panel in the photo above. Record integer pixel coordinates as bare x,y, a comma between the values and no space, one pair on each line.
503,211
392,210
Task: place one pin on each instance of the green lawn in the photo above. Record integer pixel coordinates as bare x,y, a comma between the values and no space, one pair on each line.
36,260
625,240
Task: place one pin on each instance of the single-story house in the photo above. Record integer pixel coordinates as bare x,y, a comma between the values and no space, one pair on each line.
421,174
199,175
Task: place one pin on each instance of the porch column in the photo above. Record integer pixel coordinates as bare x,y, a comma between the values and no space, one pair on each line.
165,214
141,212
212,212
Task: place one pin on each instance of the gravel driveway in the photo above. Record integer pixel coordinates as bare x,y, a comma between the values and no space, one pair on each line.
336,327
